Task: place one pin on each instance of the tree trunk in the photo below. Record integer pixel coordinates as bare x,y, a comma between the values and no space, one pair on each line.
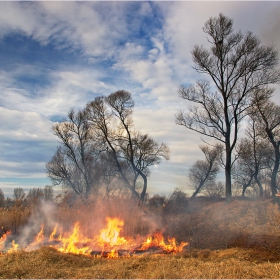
273,184
228,172
200,185
243,190
195,193
245,186
259,185
143,193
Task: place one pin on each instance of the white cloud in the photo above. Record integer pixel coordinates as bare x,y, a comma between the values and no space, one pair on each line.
90,27
27,143
22,169
15,17
24,125
68,88
106,34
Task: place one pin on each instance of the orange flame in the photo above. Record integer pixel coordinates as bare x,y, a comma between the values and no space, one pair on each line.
109,241
40,236
3,239
72,243
53,233
14,247
157,240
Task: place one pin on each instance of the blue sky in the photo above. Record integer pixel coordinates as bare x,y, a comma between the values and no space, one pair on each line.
59,55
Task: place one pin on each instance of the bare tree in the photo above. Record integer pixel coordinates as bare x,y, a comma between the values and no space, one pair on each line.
105,129
2,199
204,172
131,152
243,169
238,65
215,190
75,163
268,114
48,193
254,155
140,151
258,148
35,195
18,193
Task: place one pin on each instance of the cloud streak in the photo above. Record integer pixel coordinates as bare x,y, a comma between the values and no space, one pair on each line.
59,55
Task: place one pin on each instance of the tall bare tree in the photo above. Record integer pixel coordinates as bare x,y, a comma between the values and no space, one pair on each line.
140,151
48,193
254,155
132,153
204,172
19,193
268,114
238,65
75,163
35,195
2,199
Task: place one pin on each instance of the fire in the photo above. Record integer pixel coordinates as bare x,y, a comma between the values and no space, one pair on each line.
157,240
40,236
53,233
108,243
3,239
109,237
14,247
73,242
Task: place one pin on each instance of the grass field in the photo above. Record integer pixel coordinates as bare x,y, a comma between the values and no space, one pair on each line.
240,239
228,263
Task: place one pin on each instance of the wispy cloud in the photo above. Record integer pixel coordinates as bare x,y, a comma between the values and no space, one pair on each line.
58,55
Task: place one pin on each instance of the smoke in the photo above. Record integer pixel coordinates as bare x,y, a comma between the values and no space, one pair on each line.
44,216
137,220
201,222
91,214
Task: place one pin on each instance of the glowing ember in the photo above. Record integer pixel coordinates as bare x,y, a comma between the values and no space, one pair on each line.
109,243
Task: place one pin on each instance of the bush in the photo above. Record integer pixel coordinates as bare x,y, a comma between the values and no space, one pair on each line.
176,203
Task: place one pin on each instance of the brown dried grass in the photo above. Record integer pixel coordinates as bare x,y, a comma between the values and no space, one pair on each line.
217,225
227,240
47,263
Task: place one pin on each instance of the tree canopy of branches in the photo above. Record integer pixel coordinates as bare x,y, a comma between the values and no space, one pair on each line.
131,152
18,194
48,193
254,155
99,143
204,172
237,65
2,198
268,116
75,163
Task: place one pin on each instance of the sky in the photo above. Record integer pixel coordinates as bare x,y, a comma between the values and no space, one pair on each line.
55,56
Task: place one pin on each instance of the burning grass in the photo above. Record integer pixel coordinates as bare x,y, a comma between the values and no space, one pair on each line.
109,243
226,240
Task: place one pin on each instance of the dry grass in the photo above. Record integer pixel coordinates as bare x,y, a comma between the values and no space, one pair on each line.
14,217
218,225
227,240
229,263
